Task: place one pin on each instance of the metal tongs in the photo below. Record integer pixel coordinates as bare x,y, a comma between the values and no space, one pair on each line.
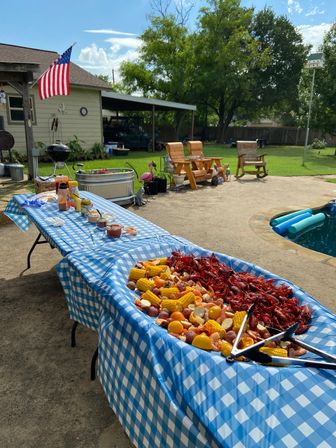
252,352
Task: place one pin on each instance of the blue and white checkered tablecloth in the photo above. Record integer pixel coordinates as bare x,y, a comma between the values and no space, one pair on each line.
169,394
81,271
77,233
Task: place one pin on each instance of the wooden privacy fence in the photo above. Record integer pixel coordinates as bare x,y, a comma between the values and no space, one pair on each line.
272,135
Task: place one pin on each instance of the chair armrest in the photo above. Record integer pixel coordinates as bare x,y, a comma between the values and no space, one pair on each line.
262,155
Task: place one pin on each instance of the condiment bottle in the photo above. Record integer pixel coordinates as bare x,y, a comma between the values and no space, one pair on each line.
73,188
63,197
59,180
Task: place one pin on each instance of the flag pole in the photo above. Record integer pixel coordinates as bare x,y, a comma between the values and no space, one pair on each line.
37,80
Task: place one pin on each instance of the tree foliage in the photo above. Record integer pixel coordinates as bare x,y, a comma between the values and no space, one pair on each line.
235,62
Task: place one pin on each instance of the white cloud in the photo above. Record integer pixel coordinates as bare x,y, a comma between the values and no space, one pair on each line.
315,11
124,42
314,34
294,6
108,31
97,60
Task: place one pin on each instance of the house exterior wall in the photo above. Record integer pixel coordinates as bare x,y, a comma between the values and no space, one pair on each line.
70,122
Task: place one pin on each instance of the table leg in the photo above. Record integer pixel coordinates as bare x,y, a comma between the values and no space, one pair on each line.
36,242
73,334
93,364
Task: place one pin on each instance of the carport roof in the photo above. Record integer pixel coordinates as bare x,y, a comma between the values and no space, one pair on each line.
118,101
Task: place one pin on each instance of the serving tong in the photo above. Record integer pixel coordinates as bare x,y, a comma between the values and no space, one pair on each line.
252,352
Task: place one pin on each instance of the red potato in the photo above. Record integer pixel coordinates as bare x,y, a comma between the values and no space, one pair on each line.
153,311
230,336
189,335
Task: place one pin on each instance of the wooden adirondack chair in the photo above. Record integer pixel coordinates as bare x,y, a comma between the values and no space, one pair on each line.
248,158
184,166
195,149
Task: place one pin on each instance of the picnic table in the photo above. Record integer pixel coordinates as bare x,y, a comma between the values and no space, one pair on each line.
165,392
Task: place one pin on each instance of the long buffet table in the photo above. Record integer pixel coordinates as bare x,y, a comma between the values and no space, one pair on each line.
167,393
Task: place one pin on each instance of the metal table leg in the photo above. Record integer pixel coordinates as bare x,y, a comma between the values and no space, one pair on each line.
93,364
73,334
36,242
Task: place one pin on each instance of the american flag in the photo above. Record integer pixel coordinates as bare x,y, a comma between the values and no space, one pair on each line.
55,80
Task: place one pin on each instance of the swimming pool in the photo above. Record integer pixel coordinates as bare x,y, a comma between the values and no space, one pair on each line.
320,237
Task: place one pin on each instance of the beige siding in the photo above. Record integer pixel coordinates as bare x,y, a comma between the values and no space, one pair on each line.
66,109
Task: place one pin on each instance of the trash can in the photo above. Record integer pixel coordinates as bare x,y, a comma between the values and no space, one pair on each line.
16,171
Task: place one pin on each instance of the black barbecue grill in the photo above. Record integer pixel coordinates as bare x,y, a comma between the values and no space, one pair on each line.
58,152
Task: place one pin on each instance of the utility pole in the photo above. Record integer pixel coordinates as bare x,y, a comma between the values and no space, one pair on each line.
315,60
113,81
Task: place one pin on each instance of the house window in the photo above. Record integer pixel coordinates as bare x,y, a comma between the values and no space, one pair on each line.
15,109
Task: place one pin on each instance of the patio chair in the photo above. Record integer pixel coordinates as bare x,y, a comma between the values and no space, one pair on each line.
183,166
195,149
248,158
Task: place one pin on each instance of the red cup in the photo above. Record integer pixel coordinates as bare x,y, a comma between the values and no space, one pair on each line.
114,230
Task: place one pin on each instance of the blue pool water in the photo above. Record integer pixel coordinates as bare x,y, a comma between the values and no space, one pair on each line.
321,238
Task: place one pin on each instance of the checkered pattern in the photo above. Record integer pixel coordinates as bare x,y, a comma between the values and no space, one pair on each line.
164,390
17,214
81,273
77,233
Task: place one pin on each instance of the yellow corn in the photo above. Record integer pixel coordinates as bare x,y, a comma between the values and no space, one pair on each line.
212,326
153,298
187,299
143,284
167,292
274,351
238,320
226,348
162,260
136,273
171,305
246,341
152,271
165,275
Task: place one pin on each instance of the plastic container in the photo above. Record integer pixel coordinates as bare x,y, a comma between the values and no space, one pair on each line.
101,222
73,188
151,188
2,169
92,216
63,198
162,184
16,171
61,179
114,230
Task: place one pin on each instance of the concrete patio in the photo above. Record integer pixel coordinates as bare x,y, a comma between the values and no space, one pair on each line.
48,399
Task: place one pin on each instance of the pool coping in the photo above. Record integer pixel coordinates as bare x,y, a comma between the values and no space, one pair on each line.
260,224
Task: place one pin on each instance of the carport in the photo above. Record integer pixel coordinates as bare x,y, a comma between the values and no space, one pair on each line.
119,102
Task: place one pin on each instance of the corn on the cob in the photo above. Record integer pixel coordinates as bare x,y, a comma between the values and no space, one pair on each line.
143,284
165,275
187,299
136,273
151,297
274,351
171,305
167,292
226,348
238,320
152,271
246,341
162,260
212,326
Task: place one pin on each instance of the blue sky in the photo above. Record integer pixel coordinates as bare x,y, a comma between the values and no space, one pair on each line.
107,31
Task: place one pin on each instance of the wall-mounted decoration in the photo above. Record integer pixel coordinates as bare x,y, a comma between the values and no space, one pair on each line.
83,111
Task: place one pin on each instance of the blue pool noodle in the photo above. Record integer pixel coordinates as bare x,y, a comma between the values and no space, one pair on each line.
276,221
283,226
305,223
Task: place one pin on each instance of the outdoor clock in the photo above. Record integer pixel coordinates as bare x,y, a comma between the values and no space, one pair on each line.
83,111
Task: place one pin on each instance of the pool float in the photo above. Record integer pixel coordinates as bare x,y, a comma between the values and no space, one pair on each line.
306,223
276,221
283,226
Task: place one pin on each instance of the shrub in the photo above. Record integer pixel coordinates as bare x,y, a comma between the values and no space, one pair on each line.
98,151
77,152
318,144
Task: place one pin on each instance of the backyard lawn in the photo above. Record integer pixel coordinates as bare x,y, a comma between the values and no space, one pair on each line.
281,161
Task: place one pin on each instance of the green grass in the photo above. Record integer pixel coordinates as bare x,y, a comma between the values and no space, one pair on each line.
281,161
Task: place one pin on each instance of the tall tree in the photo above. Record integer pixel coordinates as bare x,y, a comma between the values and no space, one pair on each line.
228,57
277,84
165,66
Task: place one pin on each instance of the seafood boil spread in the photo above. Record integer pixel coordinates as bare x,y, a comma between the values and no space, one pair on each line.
204,302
